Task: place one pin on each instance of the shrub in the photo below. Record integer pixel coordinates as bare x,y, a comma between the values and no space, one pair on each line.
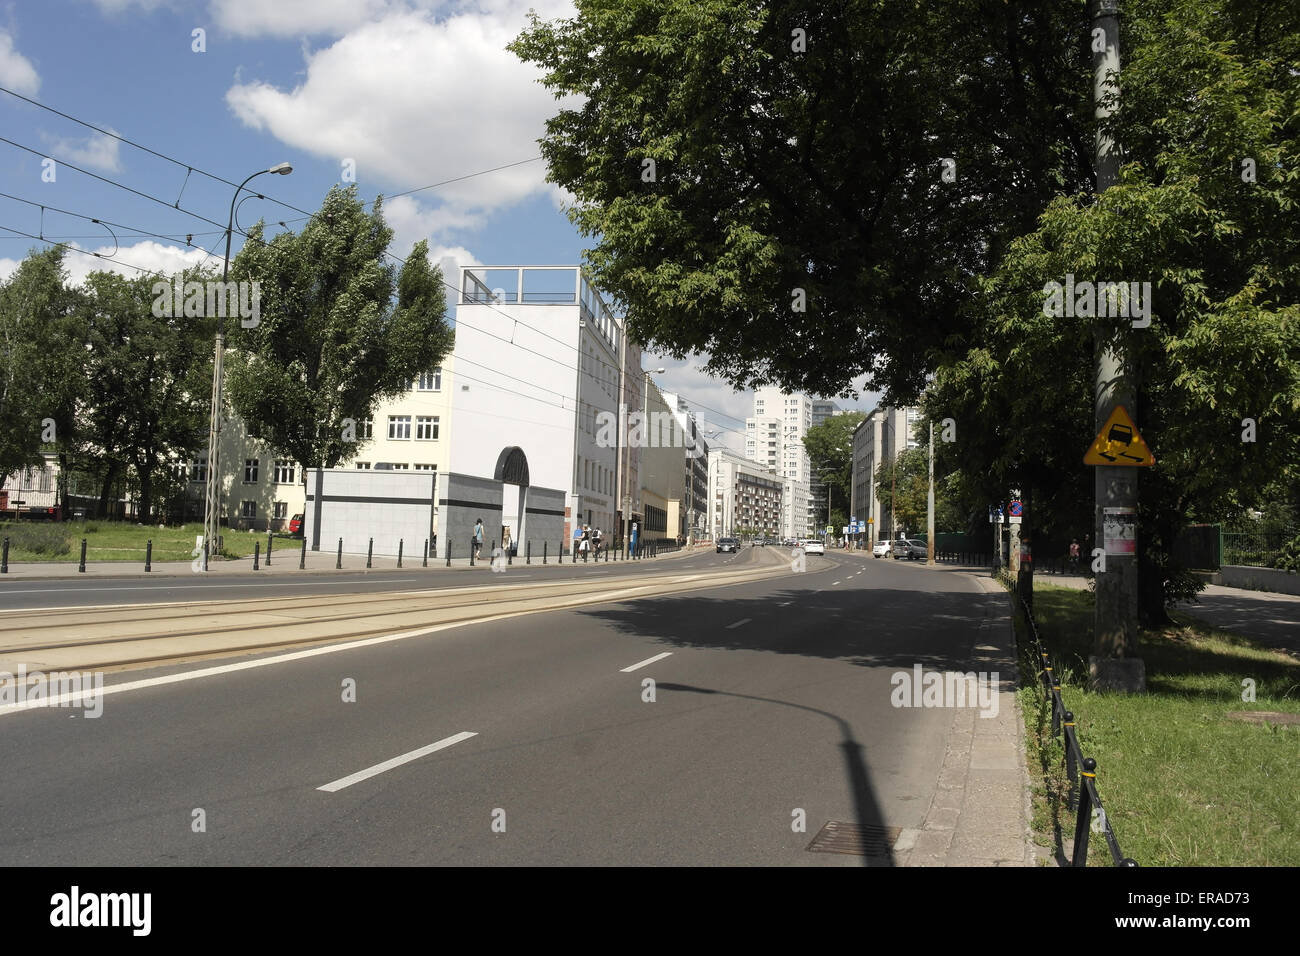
1288,559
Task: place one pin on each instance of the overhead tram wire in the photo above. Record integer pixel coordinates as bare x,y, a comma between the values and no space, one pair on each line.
306,215
104,258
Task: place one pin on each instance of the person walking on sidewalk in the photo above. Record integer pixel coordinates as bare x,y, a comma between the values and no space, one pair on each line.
478,538
586,542
1074,555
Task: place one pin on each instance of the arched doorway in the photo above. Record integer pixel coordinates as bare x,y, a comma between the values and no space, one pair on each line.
512,472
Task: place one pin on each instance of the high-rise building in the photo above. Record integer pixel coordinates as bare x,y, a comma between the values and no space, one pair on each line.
881,437
774,437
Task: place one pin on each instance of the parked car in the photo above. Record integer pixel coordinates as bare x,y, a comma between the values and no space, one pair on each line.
728,544
916,550
295,526
899,549
814,546
881,549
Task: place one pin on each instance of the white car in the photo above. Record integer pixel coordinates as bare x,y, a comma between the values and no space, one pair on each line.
881,549
814,547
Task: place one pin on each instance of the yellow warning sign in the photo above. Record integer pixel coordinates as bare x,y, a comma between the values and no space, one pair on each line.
1118,443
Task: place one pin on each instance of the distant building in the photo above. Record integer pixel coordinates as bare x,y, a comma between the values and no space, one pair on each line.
881,437
745,497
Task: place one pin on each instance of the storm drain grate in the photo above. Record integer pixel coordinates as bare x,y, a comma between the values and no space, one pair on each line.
855,840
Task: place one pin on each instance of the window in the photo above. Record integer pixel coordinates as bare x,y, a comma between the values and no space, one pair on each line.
426,428
366,428
248,509
283,473
250,471
198,471
281,509
426,467
402,467
363,464
430,381
399,426
181,470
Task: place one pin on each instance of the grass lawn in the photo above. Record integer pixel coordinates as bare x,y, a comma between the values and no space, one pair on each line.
1182,783
35,541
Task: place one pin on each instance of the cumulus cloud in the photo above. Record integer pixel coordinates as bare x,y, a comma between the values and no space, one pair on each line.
147,255
16,71
414,101
96,151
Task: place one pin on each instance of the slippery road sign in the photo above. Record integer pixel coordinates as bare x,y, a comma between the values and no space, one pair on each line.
1118,443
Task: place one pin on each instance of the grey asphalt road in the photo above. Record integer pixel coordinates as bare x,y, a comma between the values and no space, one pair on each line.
774,702
26,593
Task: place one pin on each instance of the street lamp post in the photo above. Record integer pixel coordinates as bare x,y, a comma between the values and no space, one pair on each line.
212,484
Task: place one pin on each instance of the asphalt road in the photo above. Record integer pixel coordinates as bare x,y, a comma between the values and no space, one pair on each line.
774,699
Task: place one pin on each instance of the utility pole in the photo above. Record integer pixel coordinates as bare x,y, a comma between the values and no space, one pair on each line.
1114,664
929,513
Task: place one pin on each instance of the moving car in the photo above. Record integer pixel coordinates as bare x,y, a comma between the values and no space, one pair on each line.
881,549
814,546
728,544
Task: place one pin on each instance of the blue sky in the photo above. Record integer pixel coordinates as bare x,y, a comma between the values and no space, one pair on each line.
411,93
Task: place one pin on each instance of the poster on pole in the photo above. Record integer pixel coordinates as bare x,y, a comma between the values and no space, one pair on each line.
1119,530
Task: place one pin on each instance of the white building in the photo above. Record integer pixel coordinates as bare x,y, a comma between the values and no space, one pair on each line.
774,437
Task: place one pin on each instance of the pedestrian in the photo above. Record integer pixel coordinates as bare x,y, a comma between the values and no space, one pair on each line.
597,540
586,542
1074,555
478,537
577,539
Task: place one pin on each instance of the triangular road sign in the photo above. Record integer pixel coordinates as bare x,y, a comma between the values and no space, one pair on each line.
1118,443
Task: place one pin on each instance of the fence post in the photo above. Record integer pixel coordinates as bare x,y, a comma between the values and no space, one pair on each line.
399,551
148,555
302,557
257,552
4,560
1083,823
370,550
339,562
82,566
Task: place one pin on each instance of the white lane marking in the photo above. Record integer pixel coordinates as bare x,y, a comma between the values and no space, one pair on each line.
785,604
648,660
833,583
743,620
379,768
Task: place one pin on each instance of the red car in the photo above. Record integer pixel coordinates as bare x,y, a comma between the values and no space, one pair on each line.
295,526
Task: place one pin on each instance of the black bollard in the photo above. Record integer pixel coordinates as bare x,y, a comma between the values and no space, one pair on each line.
399,551
448,550
510,557
148,556
471,552
82,566
545,544
268,548
339,563
302,558
4,559
370,550
257,551
528,552
425,564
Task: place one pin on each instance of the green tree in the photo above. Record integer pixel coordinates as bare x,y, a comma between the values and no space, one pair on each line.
830,448
800,203
340,329
148,378
40,377
1221,255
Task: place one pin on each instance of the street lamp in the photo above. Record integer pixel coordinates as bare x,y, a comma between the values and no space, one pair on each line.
212,486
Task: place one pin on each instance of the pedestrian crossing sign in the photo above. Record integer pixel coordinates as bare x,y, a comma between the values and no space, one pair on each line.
1118,443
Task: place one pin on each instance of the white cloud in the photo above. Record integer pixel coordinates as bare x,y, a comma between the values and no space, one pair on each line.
16,71
414,101
147,255
451,259
293,18
96,151
7,268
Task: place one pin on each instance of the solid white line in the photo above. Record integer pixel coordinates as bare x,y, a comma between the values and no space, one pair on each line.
648,660
379,768
743,620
